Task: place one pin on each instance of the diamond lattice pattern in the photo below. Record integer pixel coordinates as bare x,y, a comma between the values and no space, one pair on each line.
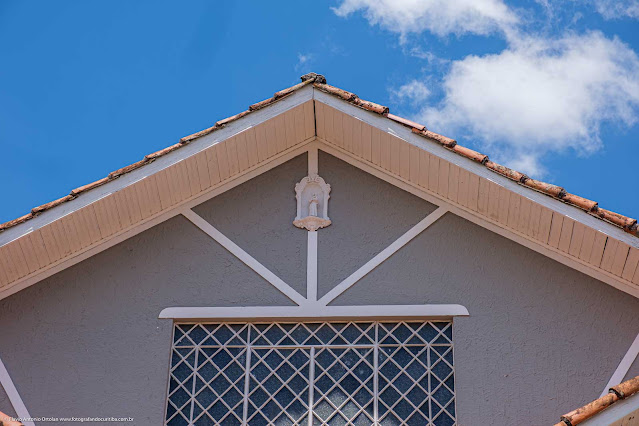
330,373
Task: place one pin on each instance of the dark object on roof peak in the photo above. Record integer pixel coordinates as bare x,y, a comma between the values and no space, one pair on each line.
317,78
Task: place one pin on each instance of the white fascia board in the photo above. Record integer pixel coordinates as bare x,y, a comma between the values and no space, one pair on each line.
313,311
617,411
297,98
386,125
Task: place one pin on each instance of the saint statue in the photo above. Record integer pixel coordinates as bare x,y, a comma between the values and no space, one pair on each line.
312,207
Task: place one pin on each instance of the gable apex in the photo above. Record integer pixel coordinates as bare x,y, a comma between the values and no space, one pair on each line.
239,147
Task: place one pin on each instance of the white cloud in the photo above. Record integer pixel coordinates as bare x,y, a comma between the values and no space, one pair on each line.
539,96
414,92
441,17
614,9
303,60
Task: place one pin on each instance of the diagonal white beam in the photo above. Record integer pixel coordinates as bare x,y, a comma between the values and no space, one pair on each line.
14,396
249,260
382,256
624,366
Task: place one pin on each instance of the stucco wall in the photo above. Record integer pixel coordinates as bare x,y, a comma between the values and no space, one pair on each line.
541,340
259,216
5,404
87,341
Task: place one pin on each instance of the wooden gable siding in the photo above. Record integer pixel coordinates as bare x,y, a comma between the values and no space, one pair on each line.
477,194
156,193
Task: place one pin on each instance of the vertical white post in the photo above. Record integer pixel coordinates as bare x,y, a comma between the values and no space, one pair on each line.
313,167
311,267
311,379
247,372
311,252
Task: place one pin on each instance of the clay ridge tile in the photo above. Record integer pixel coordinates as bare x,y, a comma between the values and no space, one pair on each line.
546,188
15,222
625,222
352,98
447,142
126,169
162,152
581,202
51,204
469,153
505,171
347,96
615,393
415,126
89,186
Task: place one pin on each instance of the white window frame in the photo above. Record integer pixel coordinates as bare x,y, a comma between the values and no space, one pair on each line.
373,340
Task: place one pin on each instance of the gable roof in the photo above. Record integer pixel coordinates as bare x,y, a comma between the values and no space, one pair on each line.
144,191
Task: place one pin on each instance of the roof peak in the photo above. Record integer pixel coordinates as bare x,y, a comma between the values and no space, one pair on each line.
317,78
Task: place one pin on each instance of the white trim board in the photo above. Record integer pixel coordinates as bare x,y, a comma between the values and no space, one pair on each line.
14,396
297,98
314,311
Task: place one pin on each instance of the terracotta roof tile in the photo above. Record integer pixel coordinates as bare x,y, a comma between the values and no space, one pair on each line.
347,96
371,106
505,171
291,89
15,222
447,142
406,122
622,221
231,118
582,203
319,82
126,169
615,394
89,186
51,204
164,151
469,153
546,188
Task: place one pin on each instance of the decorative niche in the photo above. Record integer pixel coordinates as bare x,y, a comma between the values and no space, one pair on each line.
312,195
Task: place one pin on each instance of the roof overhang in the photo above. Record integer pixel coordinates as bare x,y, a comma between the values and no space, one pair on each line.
266,137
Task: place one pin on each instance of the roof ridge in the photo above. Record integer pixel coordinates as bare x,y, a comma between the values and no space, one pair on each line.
319,82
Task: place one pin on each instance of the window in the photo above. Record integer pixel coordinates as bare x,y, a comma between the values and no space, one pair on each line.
335,373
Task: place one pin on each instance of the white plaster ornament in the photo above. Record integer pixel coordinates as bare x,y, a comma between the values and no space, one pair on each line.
312,195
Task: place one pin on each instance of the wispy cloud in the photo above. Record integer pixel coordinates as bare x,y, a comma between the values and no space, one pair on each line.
615,9
414,92
304,60
440,17
540,96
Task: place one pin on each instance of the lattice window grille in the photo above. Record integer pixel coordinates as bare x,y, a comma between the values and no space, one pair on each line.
348,373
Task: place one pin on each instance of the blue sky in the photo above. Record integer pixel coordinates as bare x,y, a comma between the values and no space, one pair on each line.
550,87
